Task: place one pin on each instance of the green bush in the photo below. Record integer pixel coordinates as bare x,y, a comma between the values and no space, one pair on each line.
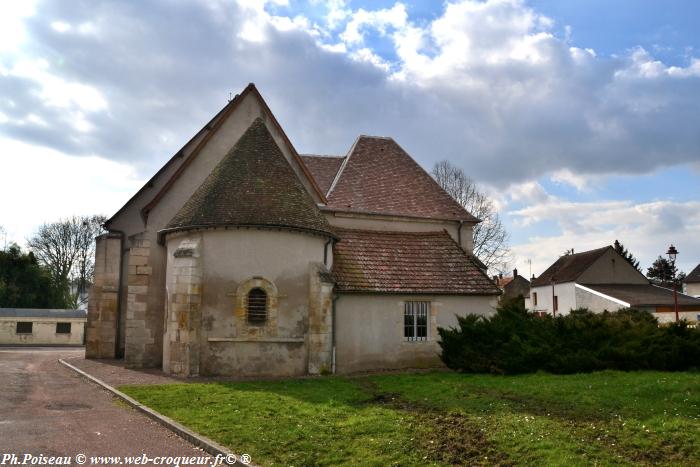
515,341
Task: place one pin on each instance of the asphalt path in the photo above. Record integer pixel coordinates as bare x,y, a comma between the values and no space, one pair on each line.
47,410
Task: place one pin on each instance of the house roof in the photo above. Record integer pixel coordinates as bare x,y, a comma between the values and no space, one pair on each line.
41,313
694,276
569,267
406,262
379,177
643,294
253,185
323,169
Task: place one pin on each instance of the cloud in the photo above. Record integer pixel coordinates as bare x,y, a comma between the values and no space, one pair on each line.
646,229
486,84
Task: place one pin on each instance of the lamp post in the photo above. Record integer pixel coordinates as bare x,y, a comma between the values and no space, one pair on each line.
672,253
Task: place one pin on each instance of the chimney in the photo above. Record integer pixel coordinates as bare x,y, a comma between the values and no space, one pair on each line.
495,278
515,273
500,275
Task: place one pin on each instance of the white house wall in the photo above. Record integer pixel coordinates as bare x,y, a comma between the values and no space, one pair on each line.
43,331
370,329
565,292
597,303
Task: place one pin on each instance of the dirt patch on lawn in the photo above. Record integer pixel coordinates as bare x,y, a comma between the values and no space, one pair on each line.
451,438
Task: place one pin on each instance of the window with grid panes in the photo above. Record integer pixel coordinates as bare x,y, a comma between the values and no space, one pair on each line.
415,321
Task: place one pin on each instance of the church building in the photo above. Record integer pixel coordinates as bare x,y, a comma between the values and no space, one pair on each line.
241,257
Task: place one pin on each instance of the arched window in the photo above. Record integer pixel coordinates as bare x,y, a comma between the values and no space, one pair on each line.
257,306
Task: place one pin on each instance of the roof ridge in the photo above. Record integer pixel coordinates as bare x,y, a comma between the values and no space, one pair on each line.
342,167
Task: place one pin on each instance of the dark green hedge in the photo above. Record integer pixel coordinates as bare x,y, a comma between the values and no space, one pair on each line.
515,341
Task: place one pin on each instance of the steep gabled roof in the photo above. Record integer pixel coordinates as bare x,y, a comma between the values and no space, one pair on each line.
694,276
569,267
253,185
405,262
203,136
379,177
323,169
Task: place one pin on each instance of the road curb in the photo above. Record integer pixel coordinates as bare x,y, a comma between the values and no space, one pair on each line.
208,445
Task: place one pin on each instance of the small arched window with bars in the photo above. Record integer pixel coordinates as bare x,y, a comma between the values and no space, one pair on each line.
257,306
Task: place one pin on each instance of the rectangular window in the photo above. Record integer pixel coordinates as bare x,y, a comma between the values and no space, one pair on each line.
62,328
556,303
415,321
534,298
24,327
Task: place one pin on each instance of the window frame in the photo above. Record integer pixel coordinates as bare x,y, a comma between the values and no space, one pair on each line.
58,326
31,327
260,317
416,309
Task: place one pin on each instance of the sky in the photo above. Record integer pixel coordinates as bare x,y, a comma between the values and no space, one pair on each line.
581,119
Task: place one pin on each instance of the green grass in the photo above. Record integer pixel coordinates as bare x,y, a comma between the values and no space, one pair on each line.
609,418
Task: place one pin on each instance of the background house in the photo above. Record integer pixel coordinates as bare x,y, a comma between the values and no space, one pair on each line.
513,286
602,280
28,326
691,284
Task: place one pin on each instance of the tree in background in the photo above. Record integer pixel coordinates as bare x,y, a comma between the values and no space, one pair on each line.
24,283
67,249
490,237
629,257
664,273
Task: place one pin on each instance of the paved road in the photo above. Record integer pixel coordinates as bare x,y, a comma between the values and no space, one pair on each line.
45,408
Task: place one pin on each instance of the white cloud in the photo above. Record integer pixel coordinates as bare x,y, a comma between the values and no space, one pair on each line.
41,185
646,229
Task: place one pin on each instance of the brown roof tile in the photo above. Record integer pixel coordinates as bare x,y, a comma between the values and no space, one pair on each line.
253,185
378,176
569,267
406,262
694,276
323,169
644,295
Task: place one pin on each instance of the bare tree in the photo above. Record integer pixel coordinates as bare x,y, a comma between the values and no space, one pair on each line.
490,237
67,248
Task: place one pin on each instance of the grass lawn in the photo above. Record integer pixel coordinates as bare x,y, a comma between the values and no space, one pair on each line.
441,418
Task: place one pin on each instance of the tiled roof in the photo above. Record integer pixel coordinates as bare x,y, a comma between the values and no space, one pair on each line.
323,169
380,177
41,313
406,262
253,185
503,281
644,294
569,267
694,276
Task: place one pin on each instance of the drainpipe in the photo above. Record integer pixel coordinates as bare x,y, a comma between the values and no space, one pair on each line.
459,233
335,298
554,311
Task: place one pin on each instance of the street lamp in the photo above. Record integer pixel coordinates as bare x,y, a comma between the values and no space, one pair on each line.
672,254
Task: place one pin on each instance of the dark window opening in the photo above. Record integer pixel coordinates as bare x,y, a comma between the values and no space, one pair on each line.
24,327
534,298
415,321
62,328
556,303
257,306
